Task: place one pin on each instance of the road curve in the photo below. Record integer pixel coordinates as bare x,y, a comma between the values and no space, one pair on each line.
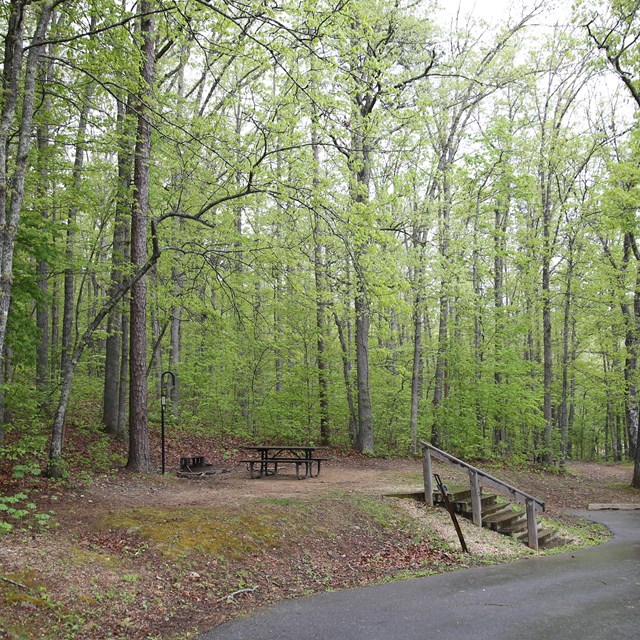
591,594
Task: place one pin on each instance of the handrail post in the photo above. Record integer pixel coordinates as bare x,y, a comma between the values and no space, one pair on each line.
476,499
532,525
428,476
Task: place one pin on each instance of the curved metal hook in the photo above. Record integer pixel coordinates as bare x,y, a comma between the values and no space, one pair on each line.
164,383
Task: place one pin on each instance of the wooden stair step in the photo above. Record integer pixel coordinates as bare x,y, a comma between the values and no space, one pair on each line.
502,519
545,536
486,500
455,493
516,529
489,507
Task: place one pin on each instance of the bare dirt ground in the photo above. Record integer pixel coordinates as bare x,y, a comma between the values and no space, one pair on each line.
163,557
581,484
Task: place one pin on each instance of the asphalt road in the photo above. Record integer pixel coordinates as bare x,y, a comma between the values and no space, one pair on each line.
592,594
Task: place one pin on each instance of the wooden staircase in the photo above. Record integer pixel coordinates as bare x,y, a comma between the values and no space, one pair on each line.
486,509
497,514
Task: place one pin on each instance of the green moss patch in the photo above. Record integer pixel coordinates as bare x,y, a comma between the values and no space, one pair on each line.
224,533
27,610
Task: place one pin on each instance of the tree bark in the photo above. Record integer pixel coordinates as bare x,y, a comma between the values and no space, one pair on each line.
635,481
114,351
42,304
321,306
345,341
360,161
547,347
499,248
416,369
11,196
69,272
563,414
177,278
139,459
443,323
364,440
55,469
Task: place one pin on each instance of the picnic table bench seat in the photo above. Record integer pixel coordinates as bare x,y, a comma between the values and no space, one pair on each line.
263,466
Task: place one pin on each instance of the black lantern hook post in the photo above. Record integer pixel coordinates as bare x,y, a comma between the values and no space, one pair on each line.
163,405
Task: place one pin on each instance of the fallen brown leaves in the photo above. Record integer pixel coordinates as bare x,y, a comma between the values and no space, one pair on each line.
412,556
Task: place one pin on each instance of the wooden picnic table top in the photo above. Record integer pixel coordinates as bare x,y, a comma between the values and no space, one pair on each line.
280,447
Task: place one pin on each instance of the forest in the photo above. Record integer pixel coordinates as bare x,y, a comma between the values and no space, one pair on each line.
355,223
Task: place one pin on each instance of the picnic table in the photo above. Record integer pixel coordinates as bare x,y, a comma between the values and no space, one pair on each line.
272,456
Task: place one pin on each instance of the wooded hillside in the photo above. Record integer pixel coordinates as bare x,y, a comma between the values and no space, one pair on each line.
350,222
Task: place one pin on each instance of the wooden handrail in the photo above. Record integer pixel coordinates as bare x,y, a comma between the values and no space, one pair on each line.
485,478
478,477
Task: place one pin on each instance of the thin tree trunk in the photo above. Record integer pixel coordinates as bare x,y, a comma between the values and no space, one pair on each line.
478,338
54,359
69,272
123,380
177,278
321,307
57,432
499,242
440,384
547,346
563,417
345,340
155,368
120,256
635,482
5,376
416,369
572,391
364,440
42,304
13,194
631,314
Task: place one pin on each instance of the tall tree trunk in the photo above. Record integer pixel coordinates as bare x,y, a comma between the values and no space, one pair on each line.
547,367
364,440
361,175
547,346
416,367
563,413
54,354
635,482
12,189
155,367
123,378
439,393
42,304
499,248
631,315
572,391
478,323
321,293
57,432
69,272
6,364
43,349
344,336
139,459
177,278
116,340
